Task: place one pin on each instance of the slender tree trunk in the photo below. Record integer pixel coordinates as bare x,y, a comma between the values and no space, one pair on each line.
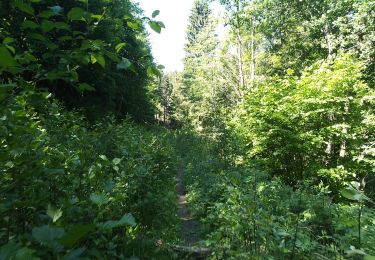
329,42
239,48
252,76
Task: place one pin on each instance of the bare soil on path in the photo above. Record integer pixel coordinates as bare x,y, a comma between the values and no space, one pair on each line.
190,227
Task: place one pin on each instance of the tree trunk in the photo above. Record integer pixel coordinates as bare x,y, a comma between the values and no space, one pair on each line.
252,66
239,48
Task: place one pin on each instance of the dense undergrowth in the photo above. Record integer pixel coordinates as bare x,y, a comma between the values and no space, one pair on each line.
276,130
71,190
247,214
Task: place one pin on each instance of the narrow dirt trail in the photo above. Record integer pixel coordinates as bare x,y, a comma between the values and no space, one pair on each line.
189,226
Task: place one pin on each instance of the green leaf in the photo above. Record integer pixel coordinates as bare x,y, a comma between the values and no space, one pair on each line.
120,46
152,71
99,199
52,170
47,26
37,36
98,58
53,213
9,250
15,251
75,234
29,25
97,16
162,25
8,40
353,194
74,254
12,49
24,7
155,13
112,56
85,87
103,157
126,220
62,26
155,26
48,236
25,254
124,64
47,14
6,59
369,257
116,161
67,38
133,25
76,13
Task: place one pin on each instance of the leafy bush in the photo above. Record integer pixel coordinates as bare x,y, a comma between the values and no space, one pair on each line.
69,189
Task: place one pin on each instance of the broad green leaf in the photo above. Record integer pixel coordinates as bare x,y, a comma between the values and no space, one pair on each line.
152,71
48,236
126,220
53,213
75,254
99,199
116,161
76,13
85,87
112,56
27,24
120,46
162,25
353,194
155,13
47,26
8,40
124,64
25,254
97,58
29,57
6,59
369,257
155,26
62,26
75,234
67,38
97,16
24,7
12,49
133,25
37,36
103,157
47,14
14,251
9,250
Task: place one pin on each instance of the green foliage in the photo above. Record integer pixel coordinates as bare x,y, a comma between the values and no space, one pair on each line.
311,126
73,190
60,47
247,213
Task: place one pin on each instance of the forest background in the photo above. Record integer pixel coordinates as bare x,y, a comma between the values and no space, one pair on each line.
275,124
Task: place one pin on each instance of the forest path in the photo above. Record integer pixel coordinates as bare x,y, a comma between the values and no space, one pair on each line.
190,227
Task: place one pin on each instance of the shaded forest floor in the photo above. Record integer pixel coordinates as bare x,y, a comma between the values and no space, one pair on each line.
190,227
